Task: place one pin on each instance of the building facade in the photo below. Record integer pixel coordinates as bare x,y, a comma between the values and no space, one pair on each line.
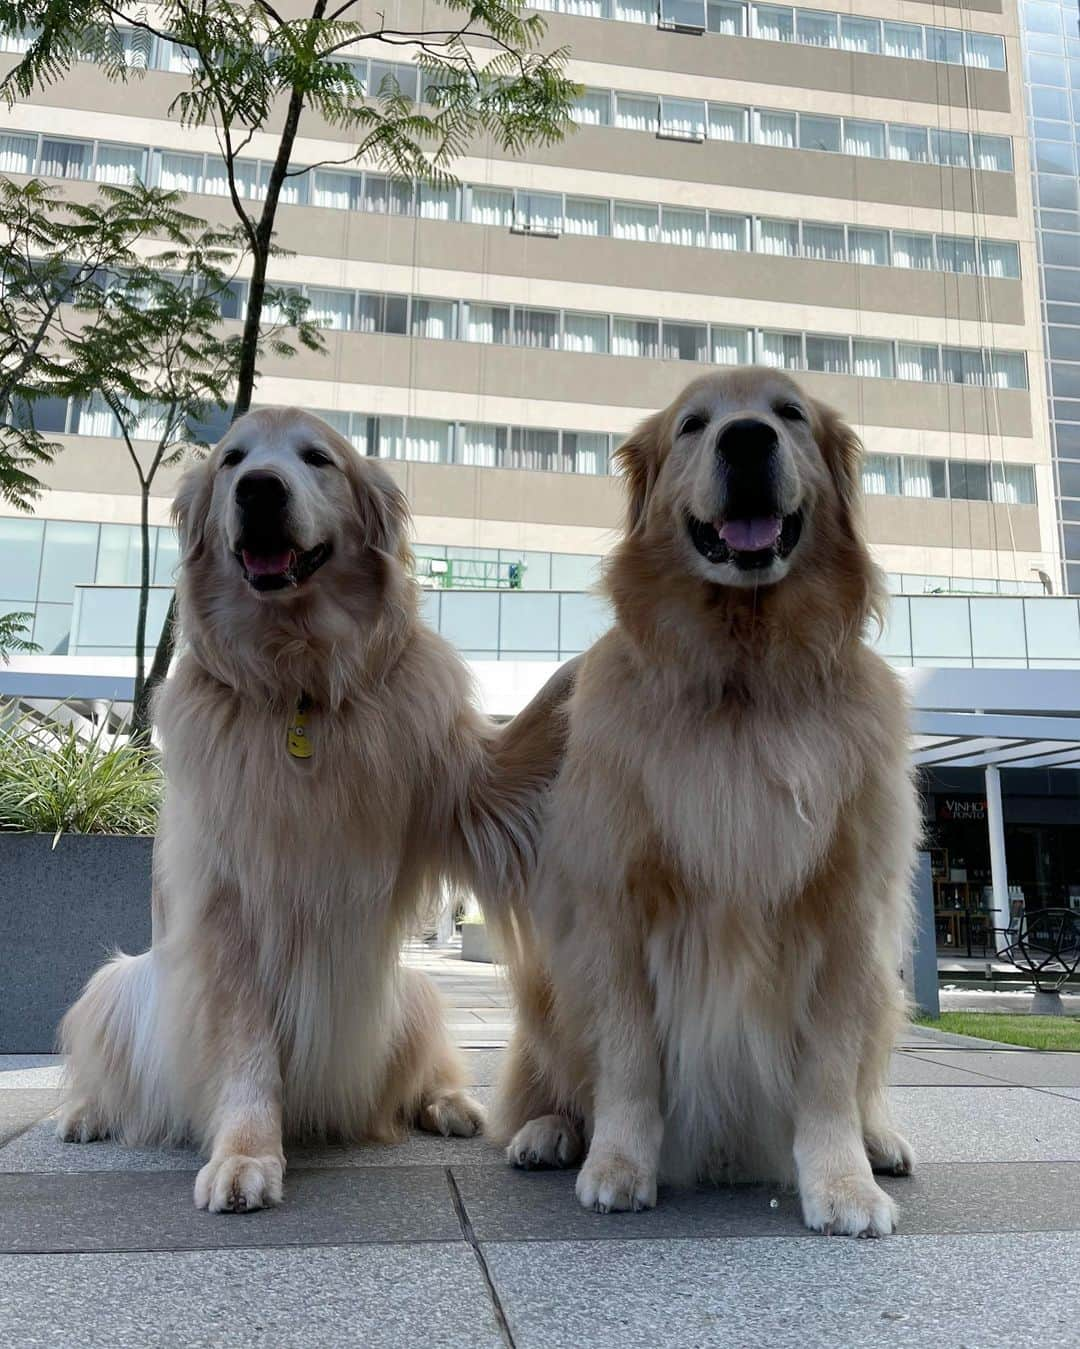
844,192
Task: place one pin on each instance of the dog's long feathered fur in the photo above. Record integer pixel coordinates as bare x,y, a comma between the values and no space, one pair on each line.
283,887
707,965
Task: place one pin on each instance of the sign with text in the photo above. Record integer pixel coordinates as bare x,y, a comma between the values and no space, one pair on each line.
961,808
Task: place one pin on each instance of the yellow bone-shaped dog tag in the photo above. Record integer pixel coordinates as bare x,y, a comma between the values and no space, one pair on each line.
299,735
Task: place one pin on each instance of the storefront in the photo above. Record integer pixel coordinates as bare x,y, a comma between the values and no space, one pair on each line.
1041,815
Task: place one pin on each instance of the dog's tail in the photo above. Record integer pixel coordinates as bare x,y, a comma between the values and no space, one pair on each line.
116,1083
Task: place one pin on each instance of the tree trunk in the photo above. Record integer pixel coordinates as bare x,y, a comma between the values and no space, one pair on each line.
140,721
140,714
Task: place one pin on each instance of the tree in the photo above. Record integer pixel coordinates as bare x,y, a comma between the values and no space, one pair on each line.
58,254
254,71
12,640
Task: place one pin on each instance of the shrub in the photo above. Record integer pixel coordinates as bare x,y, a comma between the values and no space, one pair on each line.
55,779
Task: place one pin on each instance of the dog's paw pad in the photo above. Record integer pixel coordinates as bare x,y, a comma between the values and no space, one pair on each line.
79,1122
549,1140
850,1206
454,1115
889,1153
612,1183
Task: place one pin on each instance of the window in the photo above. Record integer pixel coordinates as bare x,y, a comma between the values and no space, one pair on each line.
729,231
908,143
917,362
17,154
685,342
871,359
775,128
956,254
538,212
585,333
491,206
945,44
819,133
913,250
864,138
65,159
969,481
730,346
860,35
683,118
340,191
924,477
534,449
585,452
635,337
593,108
428,441
950,147
870,248
726,17
68,559
387,196
828,354
216,179
815,28
961,365
388,78
382,313
536,327
483,446
881,475
682,226
438,203
824,242
487,323
984,51
635,220
120,164
584,215
902,39
634,112
781,350
433,319
778,237
683,14
330,308
774,24
993,153
727,122
1007,369
20,559
1013,484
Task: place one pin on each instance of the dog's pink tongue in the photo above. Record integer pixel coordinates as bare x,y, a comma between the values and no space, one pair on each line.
267,564
750,536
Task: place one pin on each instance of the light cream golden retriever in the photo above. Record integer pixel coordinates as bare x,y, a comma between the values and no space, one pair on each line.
325,768
710,987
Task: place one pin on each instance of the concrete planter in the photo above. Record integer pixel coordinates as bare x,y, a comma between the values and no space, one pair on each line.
475,943
63,912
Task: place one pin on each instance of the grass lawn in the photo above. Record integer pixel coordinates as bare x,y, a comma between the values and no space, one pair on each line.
1014,1028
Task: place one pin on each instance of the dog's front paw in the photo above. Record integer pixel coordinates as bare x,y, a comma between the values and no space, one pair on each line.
454,1114
548,1140
889,1152
80,1122
850,1206
610,1181
237,1184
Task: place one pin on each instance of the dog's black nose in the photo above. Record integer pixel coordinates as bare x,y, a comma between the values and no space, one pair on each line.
261,491
746,440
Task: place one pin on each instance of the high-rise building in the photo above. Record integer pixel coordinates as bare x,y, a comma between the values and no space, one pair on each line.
1051,39
844,192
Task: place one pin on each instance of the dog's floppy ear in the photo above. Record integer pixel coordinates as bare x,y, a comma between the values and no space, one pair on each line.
190,507
843,453
638,459
381,507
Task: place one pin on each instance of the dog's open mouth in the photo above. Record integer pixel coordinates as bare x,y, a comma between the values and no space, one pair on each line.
749,545
280,570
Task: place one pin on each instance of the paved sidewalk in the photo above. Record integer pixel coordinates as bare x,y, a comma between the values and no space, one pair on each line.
438,1243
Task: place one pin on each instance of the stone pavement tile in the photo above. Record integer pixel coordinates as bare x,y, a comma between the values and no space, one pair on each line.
20,1109
921,1068
983,1292
985,1124
1022,1067
926,1037
39,1150
49,1074
140,1212
541,1205
483,1065
375,1296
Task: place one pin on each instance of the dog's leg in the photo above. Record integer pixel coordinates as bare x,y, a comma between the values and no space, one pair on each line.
247,1162
888,1151
621,1169
541,1132
837,1187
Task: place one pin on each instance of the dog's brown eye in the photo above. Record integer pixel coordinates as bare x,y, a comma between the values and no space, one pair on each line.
316,458
231,458
791,412
690,426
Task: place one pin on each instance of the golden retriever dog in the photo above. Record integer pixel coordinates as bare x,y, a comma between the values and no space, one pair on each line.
325,769
707,968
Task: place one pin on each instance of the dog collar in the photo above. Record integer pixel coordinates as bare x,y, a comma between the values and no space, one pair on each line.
298,736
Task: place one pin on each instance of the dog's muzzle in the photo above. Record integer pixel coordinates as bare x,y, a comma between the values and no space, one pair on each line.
266,550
